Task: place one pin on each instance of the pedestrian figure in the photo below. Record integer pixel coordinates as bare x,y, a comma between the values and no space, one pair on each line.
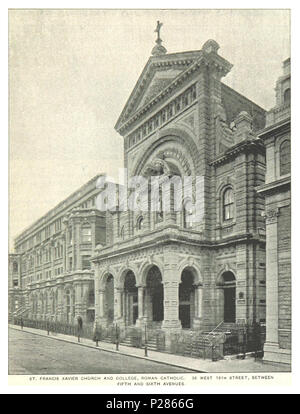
22,323
79,326
97,333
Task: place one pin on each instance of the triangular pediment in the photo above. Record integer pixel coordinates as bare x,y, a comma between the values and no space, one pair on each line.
158,73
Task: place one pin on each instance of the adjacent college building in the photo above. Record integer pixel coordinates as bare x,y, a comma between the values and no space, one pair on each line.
50,273
158,268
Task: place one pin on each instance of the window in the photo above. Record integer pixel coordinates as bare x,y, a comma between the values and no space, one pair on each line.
15,267
287,96
70,236
140,223
57,225
86,264
187,212
160,213
86,235
16,283
47,231
285,157
38,237
228,204
122,233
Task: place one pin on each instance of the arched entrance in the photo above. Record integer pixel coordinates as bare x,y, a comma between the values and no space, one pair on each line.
228,283
187,299
154,297
130,299
109,299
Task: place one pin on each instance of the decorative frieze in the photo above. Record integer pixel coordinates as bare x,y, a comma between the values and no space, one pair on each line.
167,113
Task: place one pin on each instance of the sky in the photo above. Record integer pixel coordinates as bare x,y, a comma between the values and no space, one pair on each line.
72,71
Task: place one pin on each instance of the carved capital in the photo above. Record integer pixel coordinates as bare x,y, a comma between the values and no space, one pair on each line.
271,215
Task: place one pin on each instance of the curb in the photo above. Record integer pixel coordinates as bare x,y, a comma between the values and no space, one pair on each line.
110,350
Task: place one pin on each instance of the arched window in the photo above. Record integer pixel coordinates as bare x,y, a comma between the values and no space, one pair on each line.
228,204
160,212
186,214
287,96
285,157
140,223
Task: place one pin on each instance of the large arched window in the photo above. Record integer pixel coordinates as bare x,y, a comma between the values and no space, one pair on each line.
228,204
187,213
285,157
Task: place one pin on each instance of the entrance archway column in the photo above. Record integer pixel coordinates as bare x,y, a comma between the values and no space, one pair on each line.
118,311
171,291
219,304
199,306
141,307
101,293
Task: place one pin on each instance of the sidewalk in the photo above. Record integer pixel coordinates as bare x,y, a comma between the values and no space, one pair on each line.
194,364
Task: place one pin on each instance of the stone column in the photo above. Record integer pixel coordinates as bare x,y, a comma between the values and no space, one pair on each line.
101,298
78,242
74,241
271,343
78,299
118,312
64,258
219,304
60,305
141,293
171,300
198,292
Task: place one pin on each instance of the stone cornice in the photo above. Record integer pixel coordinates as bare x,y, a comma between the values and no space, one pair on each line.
245,146
281,126
167,237
274,186
76,276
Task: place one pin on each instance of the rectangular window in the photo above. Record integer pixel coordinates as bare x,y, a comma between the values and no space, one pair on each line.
57,225
86,264
86,235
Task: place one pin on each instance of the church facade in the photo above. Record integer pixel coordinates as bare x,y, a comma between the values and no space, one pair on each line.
159,269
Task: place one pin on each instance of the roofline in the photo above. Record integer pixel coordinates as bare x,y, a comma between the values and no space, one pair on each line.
191,68
151,59
73,194
244,97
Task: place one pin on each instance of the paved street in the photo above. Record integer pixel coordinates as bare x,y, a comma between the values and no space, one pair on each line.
33,354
